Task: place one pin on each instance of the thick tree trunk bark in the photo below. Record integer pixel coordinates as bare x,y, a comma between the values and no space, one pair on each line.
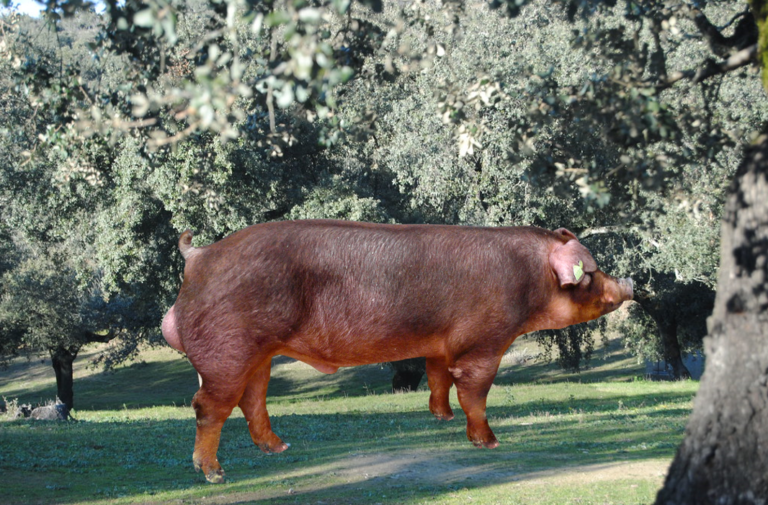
724,457
62,359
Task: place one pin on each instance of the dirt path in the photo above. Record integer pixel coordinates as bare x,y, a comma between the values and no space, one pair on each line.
432,468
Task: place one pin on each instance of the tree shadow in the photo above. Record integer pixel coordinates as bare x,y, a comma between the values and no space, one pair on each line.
136,385
174,382
298,380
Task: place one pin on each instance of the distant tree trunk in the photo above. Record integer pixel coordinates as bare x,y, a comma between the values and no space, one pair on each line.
408,374
672,354
62,359
724,457
665,317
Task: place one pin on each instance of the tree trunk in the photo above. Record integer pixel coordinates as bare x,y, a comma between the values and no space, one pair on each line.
62,359
408,374
671,345
724,457
664,314
407,381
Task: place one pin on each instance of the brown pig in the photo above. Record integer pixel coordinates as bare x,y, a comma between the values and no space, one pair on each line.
337,294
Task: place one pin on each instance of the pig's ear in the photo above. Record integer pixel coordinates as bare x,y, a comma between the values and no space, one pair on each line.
571,261
566,233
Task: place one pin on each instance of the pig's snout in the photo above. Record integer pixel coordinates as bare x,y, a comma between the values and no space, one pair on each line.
627,288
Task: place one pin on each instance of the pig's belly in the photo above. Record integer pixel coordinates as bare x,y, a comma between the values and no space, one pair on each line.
328,353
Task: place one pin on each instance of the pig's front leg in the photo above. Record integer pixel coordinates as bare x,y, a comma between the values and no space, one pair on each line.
440,381
473,376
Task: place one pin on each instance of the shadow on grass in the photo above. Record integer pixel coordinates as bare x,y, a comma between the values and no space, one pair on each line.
338,458
135,385
174,383
354,381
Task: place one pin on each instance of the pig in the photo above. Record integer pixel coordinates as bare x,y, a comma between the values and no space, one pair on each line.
339,293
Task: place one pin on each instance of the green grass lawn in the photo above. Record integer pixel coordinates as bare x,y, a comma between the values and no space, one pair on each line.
599,437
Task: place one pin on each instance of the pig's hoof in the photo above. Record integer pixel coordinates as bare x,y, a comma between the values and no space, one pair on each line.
441,412
274,448
490,444
215,476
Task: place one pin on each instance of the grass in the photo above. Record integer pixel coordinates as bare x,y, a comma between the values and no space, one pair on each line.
599,437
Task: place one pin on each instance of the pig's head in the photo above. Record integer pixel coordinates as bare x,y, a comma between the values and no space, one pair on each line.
584,292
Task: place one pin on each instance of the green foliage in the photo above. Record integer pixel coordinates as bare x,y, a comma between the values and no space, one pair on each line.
324,203
574,344
639,334
42,299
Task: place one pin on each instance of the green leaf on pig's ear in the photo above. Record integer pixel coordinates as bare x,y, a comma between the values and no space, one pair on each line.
578,270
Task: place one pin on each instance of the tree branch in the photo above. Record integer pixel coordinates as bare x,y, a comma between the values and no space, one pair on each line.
721,45
717,42
602,230
270,97
99,337
711,68
162,141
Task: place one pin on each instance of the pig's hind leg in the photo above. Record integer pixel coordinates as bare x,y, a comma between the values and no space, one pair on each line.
473,376
213,405
440,381
225,376
254,407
